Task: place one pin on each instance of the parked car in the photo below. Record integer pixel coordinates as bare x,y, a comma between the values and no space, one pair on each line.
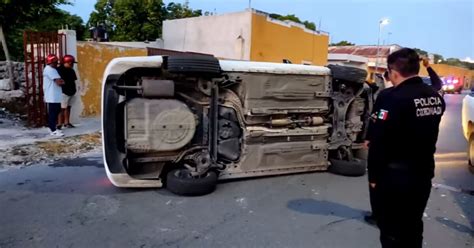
187,121
468,125
452,85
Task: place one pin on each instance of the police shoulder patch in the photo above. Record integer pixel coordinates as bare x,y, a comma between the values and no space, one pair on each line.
383,114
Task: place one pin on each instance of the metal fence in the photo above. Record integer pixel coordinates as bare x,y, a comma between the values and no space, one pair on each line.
37,46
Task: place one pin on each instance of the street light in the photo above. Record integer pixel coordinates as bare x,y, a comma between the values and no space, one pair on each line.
382,23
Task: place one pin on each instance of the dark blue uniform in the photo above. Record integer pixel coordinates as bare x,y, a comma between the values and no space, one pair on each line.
403,134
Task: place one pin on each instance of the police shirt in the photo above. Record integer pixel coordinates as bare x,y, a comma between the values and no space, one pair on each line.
404,128
52,91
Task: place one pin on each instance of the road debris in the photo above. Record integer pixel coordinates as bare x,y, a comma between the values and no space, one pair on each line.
48,151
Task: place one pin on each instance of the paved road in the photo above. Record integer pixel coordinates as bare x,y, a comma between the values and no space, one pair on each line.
72,204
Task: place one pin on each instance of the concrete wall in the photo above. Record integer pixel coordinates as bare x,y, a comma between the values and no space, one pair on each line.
273,41
93,58
225,36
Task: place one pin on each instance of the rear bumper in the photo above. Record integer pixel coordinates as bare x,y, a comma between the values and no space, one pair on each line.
113,158
123,180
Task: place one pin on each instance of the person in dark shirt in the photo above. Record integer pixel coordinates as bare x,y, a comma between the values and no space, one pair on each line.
436,84
402,144
67,73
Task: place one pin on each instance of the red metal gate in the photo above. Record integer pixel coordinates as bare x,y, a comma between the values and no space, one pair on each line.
37,46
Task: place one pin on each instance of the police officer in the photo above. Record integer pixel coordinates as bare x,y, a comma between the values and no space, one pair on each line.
402,146
436,84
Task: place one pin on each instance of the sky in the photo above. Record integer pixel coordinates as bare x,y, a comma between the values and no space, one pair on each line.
444,27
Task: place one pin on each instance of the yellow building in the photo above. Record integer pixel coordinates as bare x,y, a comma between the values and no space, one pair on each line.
466,76
93,58
247,35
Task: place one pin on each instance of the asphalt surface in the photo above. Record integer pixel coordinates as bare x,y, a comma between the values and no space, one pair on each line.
72,204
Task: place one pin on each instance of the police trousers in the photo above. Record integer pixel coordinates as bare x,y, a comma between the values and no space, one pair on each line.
401,197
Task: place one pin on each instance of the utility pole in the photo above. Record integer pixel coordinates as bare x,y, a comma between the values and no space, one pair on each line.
381,24
250,4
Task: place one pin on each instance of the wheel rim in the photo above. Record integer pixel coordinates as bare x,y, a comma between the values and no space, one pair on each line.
186,174
183,174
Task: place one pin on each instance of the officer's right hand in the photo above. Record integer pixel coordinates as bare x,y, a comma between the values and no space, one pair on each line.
426,62
372,185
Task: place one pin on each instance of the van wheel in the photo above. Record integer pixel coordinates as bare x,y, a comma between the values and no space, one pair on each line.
354,168
470,150
361,154
198,65
347,73
180,182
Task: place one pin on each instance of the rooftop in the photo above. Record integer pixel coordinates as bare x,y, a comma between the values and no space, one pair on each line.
365,51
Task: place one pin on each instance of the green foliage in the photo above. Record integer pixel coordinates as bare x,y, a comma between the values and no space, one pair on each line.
101,14
342,43
421,52
137,20
459,63
293,18
38,15
59,19
178,11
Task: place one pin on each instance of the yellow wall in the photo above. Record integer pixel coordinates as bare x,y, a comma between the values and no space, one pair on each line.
92,59
272,42
447,70
370,70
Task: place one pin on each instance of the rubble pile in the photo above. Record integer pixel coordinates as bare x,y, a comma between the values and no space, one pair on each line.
44,152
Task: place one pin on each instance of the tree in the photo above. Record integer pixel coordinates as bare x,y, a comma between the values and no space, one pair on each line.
15,15
137,20
59,19
127,20
293,18
102,15
421,52
459,63
438,58
342,43
178,11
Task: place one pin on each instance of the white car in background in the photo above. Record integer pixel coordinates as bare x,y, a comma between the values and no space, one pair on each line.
468,124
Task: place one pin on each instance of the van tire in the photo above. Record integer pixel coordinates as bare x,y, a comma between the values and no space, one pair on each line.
347,73
354,168
179,183
362,154
197,65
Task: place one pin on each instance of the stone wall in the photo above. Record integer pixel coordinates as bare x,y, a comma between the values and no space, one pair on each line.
19,76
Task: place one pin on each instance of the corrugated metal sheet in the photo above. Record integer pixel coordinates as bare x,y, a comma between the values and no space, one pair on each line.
365,51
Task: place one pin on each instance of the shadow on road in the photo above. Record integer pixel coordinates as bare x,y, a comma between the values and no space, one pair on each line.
318,207
456,226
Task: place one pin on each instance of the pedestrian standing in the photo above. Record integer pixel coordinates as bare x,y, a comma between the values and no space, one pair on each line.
436,84
67,73
402,147
52,92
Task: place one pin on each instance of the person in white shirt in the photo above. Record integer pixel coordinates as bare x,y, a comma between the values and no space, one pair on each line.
52,93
